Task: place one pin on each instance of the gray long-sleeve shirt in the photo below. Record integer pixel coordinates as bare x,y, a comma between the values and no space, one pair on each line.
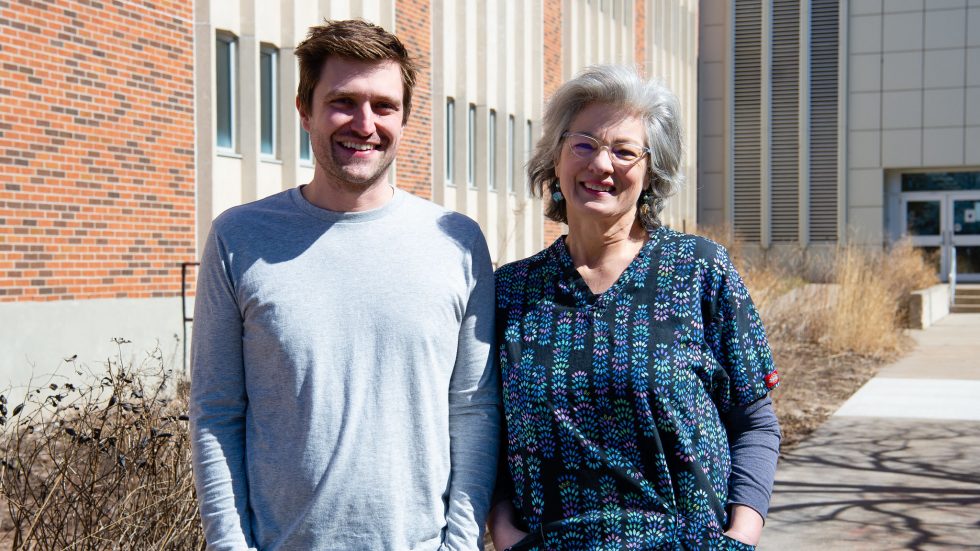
341,393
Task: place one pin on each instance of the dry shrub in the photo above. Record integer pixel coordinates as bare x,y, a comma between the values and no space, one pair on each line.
864,314
863,311
906,269
828,339
871,306
102,465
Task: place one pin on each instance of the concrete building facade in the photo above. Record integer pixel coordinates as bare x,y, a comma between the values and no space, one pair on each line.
826,122
132,125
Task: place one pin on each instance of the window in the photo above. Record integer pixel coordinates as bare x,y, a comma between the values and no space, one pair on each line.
304,145
450,138
471,146
528,148
226,59
510,154
269,69
492,147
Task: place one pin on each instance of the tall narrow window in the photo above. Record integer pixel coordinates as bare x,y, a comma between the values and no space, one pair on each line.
492,150
226,90
450,138
528,149
269,69
510,154
304,145
471,146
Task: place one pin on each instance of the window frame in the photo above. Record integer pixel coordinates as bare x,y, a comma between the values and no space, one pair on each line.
471,146
305,147
271,103
492,150
529,148
450,137
230,41
511,153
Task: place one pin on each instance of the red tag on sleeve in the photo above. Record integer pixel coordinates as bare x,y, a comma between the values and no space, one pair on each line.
772,380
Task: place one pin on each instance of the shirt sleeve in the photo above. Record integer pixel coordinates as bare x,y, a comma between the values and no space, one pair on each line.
474,416
734,332
217,405
753,436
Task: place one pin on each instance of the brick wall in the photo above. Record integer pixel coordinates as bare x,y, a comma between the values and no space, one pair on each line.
96,148
552,80
414,27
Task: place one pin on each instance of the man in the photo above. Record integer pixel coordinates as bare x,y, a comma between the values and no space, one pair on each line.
341,392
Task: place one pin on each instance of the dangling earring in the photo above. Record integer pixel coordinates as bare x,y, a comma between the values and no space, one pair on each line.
556,195
645,200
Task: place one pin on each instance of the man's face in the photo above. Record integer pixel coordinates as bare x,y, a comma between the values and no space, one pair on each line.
355,120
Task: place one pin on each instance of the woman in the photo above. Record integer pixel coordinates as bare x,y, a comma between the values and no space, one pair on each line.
635,368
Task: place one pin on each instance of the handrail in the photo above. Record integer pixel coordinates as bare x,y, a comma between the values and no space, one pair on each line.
952,275
183,305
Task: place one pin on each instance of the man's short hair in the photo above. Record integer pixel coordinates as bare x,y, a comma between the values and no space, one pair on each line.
353,39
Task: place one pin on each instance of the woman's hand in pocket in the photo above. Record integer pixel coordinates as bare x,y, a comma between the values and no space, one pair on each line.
745,525
503,525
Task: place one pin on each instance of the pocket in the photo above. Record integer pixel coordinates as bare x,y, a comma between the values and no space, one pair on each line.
531,542
732,544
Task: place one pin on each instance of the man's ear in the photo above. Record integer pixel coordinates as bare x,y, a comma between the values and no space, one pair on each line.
304,119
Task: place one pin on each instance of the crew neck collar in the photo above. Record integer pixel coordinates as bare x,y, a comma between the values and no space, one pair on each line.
305,206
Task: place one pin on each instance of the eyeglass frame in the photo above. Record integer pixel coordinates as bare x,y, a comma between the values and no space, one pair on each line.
612,156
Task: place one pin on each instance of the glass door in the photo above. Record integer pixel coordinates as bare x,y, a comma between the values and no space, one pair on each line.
964,234
923,219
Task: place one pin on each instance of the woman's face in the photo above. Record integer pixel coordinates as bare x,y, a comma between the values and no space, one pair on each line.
601,187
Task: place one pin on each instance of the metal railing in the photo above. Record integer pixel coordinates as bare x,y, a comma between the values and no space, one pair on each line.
952,275
183,305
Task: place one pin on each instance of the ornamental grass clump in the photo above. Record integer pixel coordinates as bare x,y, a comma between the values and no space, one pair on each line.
870,309
861,309
103,464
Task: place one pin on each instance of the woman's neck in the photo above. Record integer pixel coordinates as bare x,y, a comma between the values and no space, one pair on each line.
602,254
590,244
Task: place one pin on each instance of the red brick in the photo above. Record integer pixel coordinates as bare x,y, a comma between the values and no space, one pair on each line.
414,28
98,116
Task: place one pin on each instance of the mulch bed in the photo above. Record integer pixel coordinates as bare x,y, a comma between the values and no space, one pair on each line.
814,385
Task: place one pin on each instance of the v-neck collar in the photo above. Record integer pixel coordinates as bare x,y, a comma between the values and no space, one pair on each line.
573,284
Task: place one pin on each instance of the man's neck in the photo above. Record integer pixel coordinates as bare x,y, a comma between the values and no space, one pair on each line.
344,197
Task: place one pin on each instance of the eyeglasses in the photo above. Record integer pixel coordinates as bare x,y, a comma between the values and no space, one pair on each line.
621,154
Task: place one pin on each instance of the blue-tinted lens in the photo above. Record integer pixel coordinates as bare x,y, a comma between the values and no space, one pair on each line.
627,152
582,146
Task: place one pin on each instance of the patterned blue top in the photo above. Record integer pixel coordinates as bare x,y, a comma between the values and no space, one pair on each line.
613,401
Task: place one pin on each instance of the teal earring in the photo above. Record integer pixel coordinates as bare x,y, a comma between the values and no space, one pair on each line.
556,195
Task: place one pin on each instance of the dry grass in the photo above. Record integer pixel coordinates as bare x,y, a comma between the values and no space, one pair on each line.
101,465
863,309
829,339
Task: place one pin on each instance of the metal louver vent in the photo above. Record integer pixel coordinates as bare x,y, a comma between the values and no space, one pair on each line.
823,119
785,155
747,123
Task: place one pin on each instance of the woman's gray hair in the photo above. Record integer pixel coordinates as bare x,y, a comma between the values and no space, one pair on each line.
622,87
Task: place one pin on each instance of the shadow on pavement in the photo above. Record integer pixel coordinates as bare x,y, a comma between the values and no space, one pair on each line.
873,483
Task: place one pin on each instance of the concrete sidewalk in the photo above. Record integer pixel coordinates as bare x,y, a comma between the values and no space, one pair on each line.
898,466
